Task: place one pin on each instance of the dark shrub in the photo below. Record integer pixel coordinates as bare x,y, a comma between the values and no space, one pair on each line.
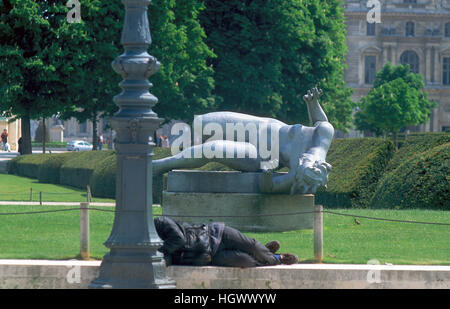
77,170
422,181
27,165
357,163
103,180
49,170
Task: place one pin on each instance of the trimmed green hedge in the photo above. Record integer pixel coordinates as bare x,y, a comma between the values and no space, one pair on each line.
422,181
78,169
27,165
72,168
103,180
358,164
50,169
416,144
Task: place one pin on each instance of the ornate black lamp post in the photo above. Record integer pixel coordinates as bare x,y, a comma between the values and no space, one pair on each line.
133,260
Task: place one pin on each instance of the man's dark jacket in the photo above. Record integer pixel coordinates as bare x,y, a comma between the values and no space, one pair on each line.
186,244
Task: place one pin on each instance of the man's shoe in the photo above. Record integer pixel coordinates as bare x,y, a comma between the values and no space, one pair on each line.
288,258
273,246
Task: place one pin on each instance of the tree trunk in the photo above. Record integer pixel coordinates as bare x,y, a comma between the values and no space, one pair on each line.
94,131
395,138
44,135
26,135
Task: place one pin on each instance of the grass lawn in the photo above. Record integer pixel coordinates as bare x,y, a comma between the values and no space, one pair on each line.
16,188
56,236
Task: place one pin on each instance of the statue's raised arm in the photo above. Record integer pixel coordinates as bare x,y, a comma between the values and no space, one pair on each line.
308,169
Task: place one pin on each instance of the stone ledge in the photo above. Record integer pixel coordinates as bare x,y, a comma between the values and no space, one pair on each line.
53,274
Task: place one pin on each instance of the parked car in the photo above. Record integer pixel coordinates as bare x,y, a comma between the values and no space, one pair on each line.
79,146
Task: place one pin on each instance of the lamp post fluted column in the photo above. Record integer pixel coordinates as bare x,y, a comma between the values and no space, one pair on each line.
133,260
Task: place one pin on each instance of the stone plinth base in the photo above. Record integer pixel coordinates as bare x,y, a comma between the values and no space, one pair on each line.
245,211
250,212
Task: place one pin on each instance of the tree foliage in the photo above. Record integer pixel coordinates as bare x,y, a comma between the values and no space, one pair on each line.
185,82
270,52
396,100
37,59
96,83
49,66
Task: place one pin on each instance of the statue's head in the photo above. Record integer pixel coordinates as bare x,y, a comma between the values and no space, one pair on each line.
310,176
317,174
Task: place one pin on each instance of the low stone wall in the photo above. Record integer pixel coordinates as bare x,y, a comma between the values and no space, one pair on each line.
33,274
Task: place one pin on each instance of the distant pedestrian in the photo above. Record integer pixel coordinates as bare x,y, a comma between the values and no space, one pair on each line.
165,142
100,142
159,140
4,137
20,142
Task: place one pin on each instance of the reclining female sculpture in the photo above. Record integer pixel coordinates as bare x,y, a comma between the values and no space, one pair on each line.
302,149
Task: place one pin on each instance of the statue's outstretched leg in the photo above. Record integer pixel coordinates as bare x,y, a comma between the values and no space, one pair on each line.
315,111
236,155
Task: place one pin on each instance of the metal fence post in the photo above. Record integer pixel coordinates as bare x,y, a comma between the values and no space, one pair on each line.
31,194
318,233
84,231
40,198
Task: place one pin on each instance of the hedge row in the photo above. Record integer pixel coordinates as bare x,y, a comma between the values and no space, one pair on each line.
358,164
79,169
72,168
422,181
416,144
103,180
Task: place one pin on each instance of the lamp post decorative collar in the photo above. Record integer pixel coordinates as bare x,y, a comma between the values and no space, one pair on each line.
133,260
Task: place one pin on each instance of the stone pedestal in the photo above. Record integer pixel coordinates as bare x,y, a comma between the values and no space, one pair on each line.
57,133
234,198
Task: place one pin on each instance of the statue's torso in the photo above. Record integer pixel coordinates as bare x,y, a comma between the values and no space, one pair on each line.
293,140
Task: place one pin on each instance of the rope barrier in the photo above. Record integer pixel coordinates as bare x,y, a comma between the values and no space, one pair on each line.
384,219
230,216
37,212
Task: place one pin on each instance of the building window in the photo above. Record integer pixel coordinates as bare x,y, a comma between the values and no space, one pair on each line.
83,127
410,1
411,58
409,28
446,72
370,69
370,29
447,30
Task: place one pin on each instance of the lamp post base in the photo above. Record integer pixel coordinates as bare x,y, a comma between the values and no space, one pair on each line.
132,270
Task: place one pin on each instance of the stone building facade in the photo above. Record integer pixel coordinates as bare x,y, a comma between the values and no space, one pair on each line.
71,129
14,131
414,32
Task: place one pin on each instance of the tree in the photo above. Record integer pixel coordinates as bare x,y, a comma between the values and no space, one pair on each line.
38,55
396,100
96,83
270,52
185,82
